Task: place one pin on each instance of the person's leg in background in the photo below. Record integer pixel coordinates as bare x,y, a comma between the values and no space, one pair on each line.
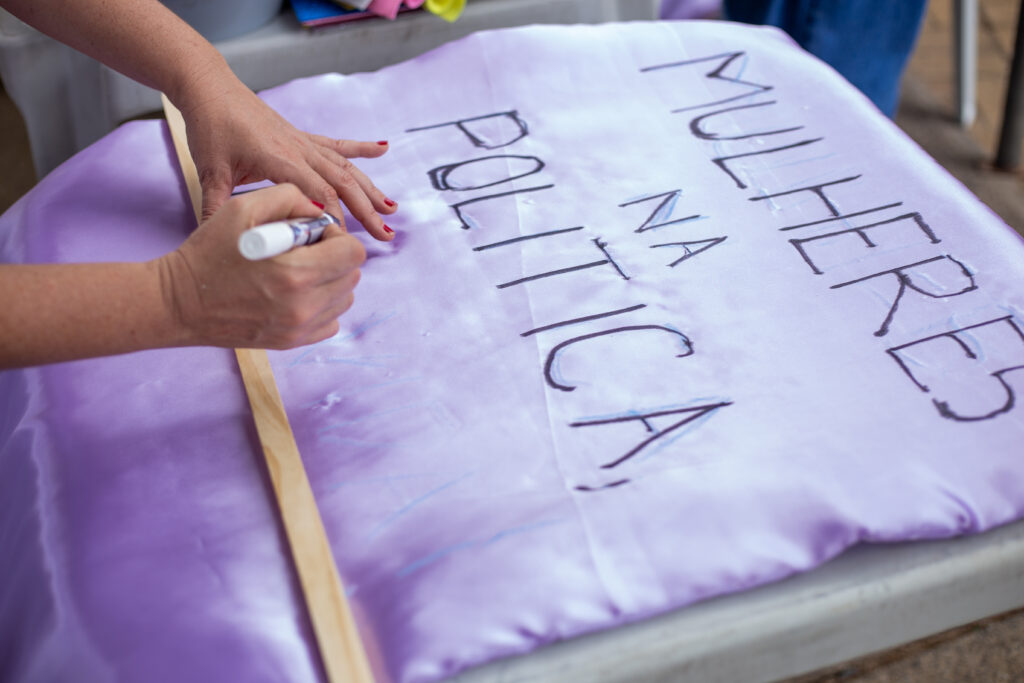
867,41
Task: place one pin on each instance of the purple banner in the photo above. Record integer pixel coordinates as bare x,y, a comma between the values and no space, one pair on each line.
672,312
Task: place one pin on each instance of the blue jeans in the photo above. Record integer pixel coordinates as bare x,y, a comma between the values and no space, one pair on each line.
867,41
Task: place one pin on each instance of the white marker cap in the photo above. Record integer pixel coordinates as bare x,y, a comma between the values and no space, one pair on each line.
265,241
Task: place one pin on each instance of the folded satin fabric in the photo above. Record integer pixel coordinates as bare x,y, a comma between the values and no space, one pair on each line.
672,312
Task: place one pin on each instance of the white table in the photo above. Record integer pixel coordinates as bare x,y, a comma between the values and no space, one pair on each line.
869,599
68,100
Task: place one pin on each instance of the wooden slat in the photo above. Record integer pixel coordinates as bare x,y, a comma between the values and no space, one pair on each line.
338,639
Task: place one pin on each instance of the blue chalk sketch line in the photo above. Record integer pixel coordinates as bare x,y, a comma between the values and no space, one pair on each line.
372,360
405,509
441,553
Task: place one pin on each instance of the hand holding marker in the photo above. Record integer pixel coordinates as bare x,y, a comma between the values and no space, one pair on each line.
269,240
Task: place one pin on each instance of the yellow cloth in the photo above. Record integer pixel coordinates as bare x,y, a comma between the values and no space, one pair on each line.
449,10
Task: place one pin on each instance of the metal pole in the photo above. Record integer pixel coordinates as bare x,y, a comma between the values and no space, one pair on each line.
1012,135
965,59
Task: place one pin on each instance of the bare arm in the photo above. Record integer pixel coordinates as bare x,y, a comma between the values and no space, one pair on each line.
235,138
142,39
61,312
203,293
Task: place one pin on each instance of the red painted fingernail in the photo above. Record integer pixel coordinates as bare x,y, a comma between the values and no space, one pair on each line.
382,142
389,202
388,230
318,204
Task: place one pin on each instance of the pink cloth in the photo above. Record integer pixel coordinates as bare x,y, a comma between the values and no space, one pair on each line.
389,8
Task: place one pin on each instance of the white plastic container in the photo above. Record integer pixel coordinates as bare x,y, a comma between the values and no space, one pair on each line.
223,19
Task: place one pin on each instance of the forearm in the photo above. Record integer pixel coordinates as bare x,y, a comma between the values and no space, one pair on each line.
234,137
203,293
70,311
140,38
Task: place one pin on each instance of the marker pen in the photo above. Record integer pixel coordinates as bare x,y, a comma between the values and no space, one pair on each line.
271,239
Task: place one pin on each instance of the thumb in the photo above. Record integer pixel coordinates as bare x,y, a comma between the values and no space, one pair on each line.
332,231
217,185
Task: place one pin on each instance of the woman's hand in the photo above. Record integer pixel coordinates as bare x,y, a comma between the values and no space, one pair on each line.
222,299
236,138
203,293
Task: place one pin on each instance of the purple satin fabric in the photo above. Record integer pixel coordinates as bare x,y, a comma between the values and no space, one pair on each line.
517,441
